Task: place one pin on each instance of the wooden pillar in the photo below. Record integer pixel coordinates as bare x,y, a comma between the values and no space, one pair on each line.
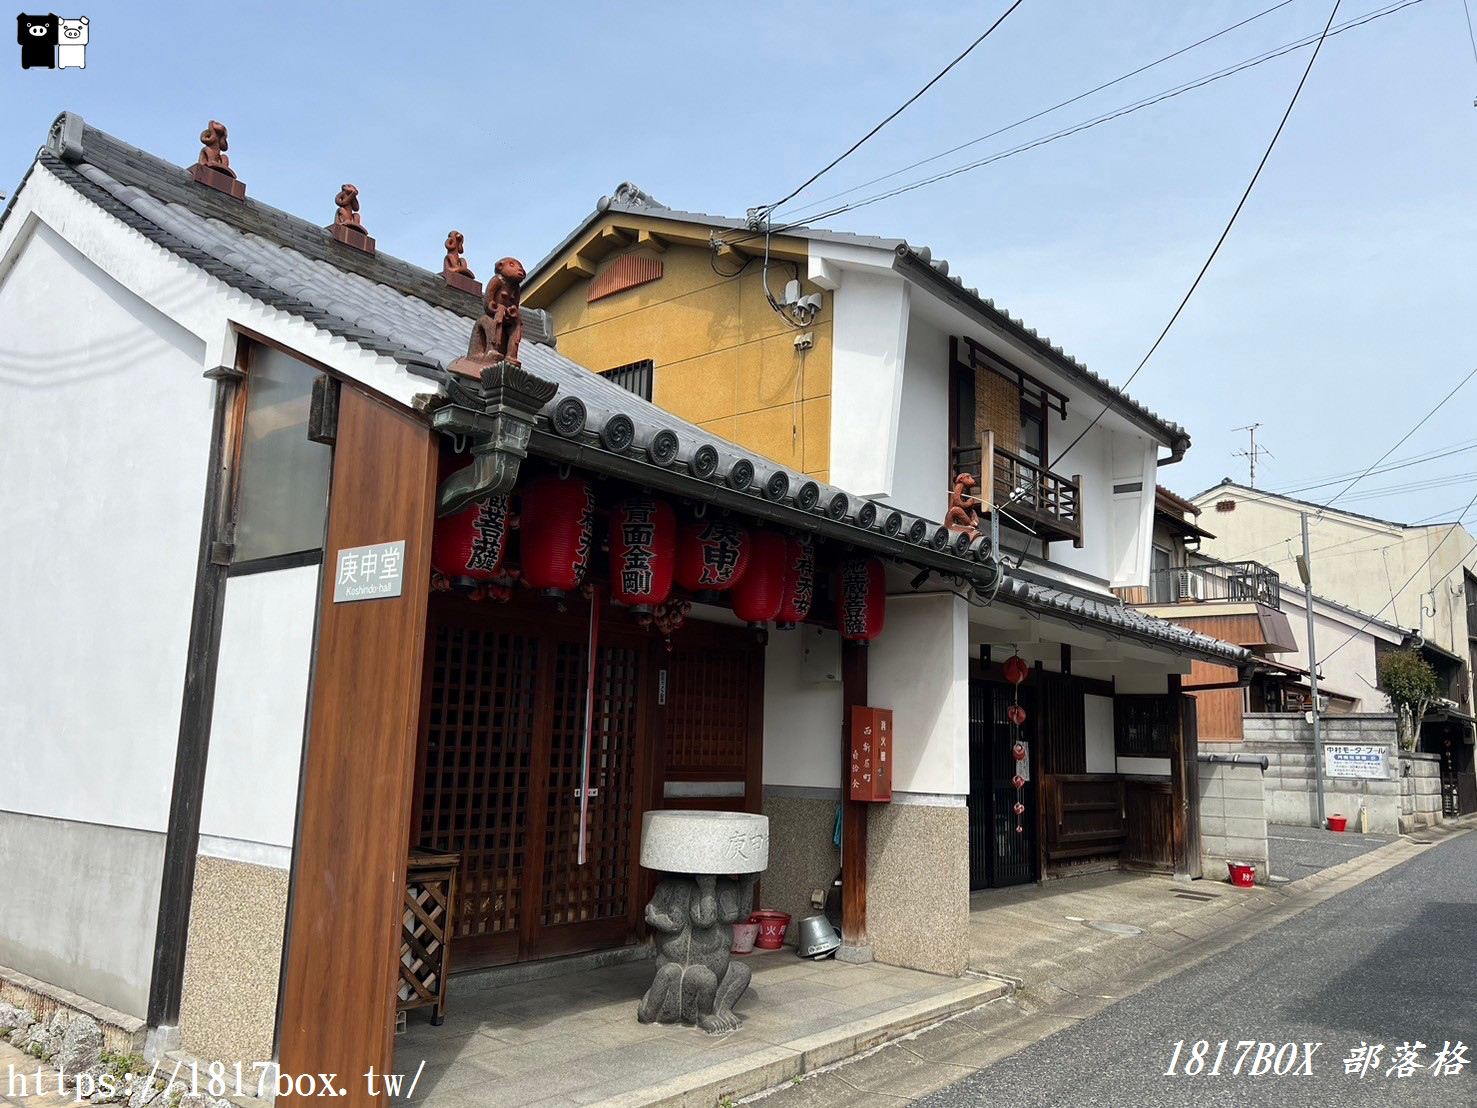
348,881
853,813
1180,802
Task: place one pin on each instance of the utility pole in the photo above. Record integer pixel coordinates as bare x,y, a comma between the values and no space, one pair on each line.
1305,571
1252,451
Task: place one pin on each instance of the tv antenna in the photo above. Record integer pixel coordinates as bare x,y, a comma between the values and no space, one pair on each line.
1252,452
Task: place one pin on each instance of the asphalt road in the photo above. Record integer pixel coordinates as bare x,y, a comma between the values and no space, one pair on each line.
1299,851
1389,961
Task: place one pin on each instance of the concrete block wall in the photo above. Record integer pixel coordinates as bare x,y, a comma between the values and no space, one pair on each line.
1420,790
1233,816
1291,784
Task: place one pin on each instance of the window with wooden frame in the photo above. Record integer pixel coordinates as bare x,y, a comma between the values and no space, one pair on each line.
280,478
1145,726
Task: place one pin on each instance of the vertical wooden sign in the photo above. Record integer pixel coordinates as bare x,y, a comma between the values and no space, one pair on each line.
871,754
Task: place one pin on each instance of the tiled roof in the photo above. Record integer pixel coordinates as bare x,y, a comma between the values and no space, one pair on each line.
396,309
632,200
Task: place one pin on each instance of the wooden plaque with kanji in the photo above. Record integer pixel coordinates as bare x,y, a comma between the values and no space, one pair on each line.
871,754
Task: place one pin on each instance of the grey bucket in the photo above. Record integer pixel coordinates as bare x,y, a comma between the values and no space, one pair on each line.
815,937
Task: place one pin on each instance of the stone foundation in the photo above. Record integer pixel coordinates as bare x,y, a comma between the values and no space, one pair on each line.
918,883
803,856
233,963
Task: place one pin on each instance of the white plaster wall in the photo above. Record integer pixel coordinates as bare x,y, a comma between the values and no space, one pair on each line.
870,334
802,719
921,477
1138,682
105,425
1345,669
1098,719
919,668
256,739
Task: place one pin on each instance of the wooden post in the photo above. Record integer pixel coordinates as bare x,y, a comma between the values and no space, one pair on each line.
854,944
987,473
1179,800
348,882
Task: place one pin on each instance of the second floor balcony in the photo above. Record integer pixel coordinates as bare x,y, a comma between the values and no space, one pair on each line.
1027,495
1208,580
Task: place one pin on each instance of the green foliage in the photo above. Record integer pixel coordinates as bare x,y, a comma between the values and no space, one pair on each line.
1410,683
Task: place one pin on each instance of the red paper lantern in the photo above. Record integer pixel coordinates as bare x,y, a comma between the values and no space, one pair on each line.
759,593
712,555
471,543
558,525
643,552
799,589
1016,714
1015,669
861,598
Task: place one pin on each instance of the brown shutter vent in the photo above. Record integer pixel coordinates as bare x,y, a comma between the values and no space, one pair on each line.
1225,505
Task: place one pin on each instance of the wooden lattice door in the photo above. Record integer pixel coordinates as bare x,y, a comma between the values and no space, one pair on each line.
501,747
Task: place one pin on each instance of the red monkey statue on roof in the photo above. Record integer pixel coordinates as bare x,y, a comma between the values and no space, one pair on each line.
500,330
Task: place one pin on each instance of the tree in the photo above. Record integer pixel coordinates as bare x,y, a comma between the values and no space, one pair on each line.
1410,683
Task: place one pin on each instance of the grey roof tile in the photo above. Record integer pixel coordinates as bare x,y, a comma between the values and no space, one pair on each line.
397,310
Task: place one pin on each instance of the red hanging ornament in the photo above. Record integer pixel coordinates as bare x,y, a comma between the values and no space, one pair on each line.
558,524
1018,781
799,588
1015,669
1019,750
1019,829
757,596
712,555
1020,809
861,598
643,552
1016,714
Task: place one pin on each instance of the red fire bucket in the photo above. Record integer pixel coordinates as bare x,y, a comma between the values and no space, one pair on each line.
1337,823
1243,874
772,928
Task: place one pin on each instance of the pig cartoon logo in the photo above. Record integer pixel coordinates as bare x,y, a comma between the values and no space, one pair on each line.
71,51
37,35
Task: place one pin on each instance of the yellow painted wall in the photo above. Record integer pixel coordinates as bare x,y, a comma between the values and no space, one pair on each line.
723,358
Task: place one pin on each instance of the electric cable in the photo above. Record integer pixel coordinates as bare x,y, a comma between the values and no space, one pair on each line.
1046,111
1317,49
899,111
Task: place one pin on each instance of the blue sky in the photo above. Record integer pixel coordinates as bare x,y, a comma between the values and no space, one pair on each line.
1339,311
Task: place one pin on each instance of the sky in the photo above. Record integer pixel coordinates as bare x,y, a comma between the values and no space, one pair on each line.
1340,309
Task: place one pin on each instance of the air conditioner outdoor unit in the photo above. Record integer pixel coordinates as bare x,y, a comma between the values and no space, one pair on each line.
1189,586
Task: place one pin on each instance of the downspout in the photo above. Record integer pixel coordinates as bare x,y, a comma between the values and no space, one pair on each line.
495,412
1177,451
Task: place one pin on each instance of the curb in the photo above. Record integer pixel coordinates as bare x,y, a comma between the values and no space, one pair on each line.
779,1065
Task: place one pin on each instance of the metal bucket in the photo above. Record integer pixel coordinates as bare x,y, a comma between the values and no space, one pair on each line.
816,937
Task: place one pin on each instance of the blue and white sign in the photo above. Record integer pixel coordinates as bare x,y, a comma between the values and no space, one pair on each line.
1356,761
369,572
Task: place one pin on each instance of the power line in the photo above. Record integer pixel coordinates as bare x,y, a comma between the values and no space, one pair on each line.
1407,434
899,111
1429,558
1224,233
1435,454
1096,121
1045,111
1470,36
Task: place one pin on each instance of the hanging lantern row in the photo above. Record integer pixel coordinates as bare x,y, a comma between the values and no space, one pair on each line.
770,575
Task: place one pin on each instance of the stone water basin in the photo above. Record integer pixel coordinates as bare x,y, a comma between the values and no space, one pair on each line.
685,840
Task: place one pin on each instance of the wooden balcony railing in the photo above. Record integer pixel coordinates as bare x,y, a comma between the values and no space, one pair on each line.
1024,492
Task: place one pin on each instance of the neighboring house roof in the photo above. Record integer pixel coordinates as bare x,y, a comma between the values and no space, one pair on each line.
917,263
406,313
1265,497
1175,501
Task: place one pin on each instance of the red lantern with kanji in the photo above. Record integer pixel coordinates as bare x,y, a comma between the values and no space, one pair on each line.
557,522
861,599
643,552
712,555
1016,669
759,593
471,543
799,588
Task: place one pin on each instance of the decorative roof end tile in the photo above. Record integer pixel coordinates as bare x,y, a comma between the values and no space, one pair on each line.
347,227
455,269
213,169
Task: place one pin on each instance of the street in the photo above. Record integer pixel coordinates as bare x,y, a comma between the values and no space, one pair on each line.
1383,963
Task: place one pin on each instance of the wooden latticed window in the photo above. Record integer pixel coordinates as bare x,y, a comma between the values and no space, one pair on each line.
1145,726
480,734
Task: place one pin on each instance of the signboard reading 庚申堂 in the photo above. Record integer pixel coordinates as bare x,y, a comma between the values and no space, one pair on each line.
369,572
1355,761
